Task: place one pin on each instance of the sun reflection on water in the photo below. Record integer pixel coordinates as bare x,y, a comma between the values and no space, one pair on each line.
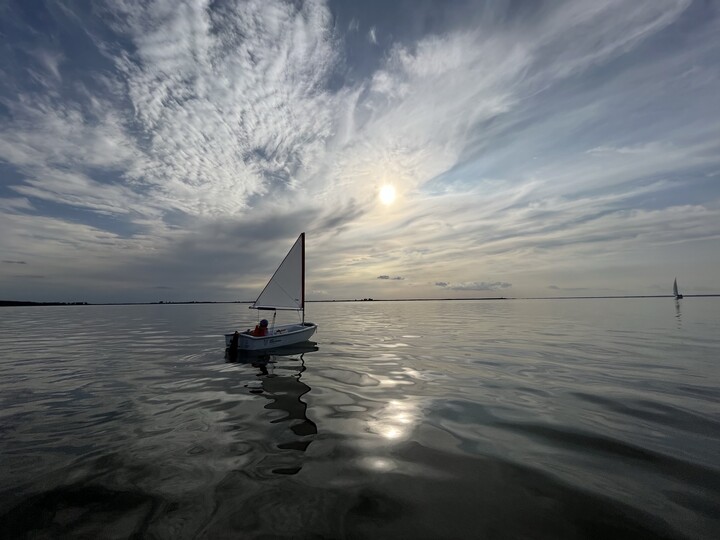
378,464
395,420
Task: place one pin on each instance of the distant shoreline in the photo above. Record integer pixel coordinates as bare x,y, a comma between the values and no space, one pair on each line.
21,303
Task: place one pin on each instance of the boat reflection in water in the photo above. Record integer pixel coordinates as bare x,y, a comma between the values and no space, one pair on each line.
279,379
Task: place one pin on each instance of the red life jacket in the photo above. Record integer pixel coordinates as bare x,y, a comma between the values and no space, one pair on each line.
259,331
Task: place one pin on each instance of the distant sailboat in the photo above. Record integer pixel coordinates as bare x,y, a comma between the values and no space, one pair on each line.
675,290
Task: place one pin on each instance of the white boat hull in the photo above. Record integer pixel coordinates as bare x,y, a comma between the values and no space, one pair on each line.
280,336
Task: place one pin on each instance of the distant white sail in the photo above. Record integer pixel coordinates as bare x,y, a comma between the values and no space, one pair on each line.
675,290
285,290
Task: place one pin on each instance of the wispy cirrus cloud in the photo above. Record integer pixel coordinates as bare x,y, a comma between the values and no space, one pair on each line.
232,102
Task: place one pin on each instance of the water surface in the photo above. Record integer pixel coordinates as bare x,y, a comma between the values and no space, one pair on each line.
502,419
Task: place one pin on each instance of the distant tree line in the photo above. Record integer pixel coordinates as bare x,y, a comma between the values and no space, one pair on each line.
23,303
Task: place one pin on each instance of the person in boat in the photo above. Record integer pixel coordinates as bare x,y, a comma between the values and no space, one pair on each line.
261,329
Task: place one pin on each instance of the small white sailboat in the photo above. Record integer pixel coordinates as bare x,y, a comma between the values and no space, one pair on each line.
284,291
675,290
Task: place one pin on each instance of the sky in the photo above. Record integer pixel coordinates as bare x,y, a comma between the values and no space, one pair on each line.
174,150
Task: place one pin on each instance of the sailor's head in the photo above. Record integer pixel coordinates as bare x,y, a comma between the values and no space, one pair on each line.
263,323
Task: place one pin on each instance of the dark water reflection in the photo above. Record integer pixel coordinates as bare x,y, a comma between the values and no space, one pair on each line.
537,419
279,382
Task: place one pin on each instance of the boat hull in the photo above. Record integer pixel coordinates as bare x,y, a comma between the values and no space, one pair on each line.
280,336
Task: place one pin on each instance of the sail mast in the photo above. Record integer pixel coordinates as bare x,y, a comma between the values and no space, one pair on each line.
302,298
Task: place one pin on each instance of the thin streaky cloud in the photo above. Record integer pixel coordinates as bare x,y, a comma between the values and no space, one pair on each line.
474,286
372,35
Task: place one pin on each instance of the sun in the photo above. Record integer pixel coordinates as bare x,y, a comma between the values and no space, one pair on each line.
387,194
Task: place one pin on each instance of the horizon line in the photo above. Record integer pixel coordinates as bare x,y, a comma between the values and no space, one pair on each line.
19,303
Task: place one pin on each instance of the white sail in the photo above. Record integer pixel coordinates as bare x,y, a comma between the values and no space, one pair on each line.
286,289
675,289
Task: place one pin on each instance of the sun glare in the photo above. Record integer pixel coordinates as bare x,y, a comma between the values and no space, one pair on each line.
387,194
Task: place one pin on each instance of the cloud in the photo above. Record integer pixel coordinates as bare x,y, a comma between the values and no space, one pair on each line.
15,204
372,35
395,278
14,262
582,289
239,91
216,118
474,286
51,61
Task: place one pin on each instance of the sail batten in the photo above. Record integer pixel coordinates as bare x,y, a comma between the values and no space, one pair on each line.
285,290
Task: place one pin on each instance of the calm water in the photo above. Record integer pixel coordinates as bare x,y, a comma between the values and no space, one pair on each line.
487,419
